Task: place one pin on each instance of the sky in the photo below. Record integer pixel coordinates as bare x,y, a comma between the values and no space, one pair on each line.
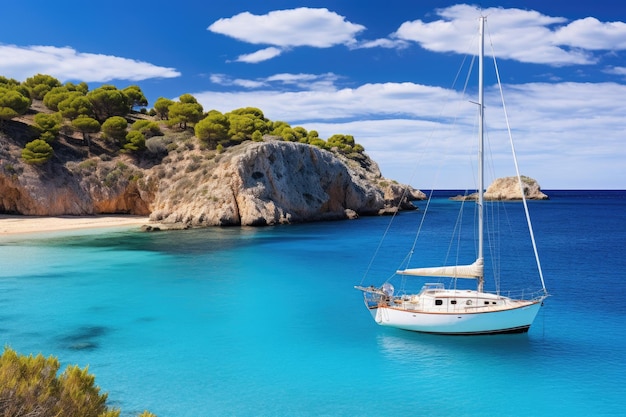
391,73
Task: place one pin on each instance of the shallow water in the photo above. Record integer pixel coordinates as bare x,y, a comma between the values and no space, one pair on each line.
265,322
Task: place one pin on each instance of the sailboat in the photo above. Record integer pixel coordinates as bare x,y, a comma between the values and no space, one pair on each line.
453,311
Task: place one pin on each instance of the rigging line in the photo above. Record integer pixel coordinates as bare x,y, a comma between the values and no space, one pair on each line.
519,178
377,250
382,240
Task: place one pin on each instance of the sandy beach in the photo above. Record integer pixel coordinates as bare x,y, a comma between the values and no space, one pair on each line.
38,224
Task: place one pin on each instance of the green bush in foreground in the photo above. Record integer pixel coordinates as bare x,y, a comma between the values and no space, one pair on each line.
29,386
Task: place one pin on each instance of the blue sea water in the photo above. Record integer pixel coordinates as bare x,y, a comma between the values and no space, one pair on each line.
265,321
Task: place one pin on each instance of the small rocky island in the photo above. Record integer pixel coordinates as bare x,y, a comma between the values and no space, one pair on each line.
507,188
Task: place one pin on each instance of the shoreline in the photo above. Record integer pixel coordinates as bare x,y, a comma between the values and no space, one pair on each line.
17,224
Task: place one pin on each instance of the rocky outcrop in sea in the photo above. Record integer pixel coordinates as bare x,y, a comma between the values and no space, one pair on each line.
507,188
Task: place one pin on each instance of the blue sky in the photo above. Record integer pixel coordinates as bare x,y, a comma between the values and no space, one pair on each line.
382,71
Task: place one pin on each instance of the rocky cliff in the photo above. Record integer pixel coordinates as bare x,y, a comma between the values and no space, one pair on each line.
255,183
268,183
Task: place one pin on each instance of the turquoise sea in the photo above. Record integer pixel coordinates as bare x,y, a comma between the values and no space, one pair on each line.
266,322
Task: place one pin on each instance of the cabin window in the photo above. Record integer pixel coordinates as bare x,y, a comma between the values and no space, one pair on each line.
486,302
453,302
438,302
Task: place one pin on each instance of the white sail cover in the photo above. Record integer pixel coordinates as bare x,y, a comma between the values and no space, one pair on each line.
473,271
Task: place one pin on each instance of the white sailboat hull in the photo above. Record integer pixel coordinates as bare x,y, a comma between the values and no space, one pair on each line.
516,318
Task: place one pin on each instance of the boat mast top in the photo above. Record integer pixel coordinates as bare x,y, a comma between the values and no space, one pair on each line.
481,169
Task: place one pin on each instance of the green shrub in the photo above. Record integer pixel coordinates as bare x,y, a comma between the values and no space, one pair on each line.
29,385
115,128
37,152
135,141
147,127
49,125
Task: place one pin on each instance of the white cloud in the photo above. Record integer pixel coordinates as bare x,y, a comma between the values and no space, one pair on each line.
382,100
259,56
303,26
315,82
590,33
284,29
522,35
567,134
383,43
298,79
68,64
225,80
616,70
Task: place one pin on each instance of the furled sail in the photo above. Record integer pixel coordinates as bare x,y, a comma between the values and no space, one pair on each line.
473,271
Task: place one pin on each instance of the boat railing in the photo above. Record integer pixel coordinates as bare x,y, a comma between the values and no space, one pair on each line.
528,294
433,286
372,296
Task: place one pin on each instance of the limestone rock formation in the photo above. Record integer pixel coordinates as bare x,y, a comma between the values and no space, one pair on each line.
255,183
54,190
507,188
265,183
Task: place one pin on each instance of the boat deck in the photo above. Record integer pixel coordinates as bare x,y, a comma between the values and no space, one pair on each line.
462,305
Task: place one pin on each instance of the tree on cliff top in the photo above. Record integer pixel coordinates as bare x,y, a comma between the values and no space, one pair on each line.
108,101
86,125
76,105
57,94
12,103
40,84
136,98
74,100
185,111
244,122
212,129
162,107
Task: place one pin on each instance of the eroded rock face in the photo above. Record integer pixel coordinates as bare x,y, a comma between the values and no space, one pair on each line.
255,183
26,193
56,189
269,183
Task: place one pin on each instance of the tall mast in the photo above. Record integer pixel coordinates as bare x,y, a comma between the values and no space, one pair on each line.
481,157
